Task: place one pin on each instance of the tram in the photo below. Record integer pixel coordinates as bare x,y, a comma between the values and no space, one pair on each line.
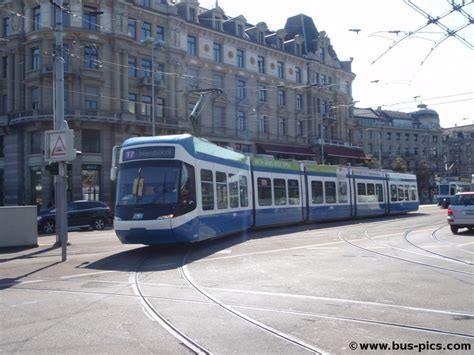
449,186
179,188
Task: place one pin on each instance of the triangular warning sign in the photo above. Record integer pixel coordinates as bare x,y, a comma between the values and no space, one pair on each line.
59,148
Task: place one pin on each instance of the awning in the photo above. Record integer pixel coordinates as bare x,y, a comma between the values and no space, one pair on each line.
289,150
345,152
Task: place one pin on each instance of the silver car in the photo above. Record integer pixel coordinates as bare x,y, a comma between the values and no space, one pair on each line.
461,212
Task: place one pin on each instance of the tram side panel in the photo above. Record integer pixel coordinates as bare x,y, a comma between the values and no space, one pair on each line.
224,200
403,193
369,192
328,192
278,193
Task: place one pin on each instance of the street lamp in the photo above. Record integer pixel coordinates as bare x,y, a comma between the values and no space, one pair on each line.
154,43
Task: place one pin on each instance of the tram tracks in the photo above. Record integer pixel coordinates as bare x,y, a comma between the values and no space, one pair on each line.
427,253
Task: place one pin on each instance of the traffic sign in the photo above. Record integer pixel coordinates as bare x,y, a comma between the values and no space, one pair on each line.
59,145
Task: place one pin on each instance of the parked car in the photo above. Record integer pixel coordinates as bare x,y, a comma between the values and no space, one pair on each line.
84,214
461,211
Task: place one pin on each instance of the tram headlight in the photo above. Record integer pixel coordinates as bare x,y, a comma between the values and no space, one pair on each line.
166,216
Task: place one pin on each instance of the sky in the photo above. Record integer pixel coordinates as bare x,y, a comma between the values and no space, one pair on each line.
401,78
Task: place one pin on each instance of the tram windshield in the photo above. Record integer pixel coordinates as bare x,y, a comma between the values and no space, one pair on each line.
157,182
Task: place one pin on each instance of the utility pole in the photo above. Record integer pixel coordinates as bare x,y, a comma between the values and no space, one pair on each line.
60,124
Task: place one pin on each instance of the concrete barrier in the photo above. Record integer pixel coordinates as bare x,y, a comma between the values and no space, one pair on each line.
18,226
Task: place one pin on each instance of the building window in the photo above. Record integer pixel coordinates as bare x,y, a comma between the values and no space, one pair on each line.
298,49
144,3
242,121
300,128
4,104
262,93
241,92
217,52
218,117
389,136
415,137
192,79
36,146
4,66
281,70
6,27
132,103
132,28
132,66
160,107
90,58
240,58
299,102
218,81
34,97
160,33
263,124
91,98
322,55
282,126
298,75
90,141
240,30
90,18
146,106
281,97
217,23
261,37
192,14
2,151
146,30
280,43
261,64
66,15
146,68
192,46
35,59
90,176
36,18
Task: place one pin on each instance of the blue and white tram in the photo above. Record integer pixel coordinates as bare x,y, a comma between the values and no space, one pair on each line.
173,189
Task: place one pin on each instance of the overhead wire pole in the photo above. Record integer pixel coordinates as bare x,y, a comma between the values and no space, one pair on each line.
60,124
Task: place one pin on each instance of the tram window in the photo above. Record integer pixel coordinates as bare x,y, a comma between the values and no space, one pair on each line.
264,186
221,190
317,192
371,193
361,193
393,193
244,192
452,189
207,190
342,196
293,192
233,191
330,189
401,194
187,190
413,193
407,193
379,190
279,192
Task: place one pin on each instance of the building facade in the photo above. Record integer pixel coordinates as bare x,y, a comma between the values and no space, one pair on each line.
281,92
403,142
458,152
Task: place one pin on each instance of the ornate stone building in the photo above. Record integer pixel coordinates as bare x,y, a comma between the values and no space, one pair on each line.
280,92
403,142
458,151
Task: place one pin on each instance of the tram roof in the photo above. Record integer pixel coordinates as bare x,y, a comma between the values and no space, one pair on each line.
197,147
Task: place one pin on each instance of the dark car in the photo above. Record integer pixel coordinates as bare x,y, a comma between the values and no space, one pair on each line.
83,214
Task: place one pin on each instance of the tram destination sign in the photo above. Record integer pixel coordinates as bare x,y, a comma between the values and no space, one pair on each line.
140,153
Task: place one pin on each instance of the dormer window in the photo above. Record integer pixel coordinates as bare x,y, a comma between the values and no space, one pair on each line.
217,23
322,55
240,30
261,37
280,43
298,49
192,14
